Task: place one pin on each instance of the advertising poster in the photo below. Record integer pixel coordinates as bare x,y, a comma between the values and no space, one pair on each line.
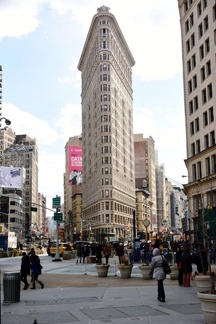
75,165
11,177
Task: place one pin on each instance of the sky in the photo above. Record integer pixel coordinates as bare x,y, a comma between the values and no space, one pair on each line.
40,46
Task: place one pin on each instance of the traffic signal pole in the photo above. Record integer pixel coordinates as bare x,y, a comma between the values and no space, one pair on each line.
56,205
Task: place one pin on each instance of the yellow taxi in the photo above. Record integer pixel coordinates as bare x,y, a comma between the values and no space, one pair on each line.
62,248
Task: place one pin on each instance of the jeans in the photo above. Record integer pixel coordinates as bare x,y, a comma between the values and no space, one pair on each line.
161,293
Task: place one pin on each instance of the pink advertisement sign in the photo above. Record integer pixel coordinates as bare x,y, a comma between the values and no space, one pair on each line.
75,165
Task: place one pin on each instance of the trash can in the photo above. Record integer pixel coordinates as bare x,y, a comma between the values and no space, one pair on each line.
11,287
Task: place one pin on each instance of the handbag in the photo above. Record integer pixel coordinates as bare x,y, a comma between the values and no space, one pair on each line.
166,266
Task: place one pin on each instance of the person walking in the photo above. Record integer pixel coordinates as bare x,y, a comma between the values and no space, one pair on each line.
25,270
120,252
186,260
157,266
79,253
107,253
36,267
179,265
99,250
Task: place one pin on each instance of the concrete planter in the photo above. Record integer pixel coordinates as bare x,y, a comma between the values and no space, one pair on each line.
102,269
203,283
125,270
208,303
145,272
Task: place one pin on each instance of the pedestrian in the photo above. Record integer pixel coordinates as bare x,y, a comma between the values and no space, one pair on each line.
99,250
36,270
79,253
157,266
107,253
85,252
25,270
186,260
179,265
120,252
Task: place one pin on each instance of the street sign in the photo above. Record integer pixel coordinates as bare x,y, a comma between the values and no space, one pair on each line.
58,216
56,202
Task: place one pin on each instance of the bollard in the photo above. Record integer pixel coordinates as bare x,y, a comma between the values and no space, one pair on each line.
11,287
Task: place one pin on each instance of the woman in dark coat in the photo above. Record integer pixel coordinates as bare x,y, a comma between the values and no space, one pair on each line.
25,269
157,266
186,260
36,270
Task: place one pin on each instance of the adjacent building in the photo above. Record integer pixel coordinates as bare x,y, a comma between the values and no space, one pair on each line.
198,31
107,128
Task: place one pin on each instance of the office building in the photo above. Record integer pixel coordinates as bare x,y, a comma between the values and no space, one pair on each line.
198,31
23,153
73,188
107,128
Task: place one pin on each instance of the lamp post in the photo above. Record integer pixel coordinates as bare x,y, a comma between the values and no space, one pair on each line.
7,123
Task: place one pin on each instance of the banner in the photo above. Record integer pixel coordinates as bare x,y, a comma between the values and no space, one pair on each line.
75,165
11,177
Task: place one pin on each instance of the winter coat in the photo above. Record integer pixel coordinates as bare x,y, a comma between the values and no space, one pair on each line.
157,265
186,260
35,265
25,265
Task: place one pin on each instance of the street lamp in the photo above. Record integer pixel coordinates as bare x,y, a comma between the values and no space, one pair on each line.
7,123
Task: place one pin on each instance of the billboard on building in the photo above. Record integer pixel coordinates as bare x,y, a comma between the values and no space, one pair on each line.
11,177
75,165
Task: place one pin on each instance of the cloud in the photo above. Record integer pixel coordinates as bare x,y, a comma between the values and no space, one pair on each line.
73,77
69,121
19,18
51,170
153,34
25,123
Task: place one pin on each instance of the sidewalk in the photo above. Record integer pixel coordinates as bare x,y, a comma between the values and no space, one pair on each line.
89,299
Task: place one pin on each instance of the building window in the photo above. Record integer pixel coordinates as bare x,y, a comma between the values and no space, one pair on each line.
106,181
208,166
207,45
200,30
204,4
191,20
206,25
194,61
204,97
210,94
202,72
186,27
104,77
193,149
192,40
206,141
199,170
198,146
205,119
208,68
106,193
190,86
188,46
199,9
194,82
214,12
211,115
201,50
197,124
191,107
189,66
192,128
196,105
212,137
